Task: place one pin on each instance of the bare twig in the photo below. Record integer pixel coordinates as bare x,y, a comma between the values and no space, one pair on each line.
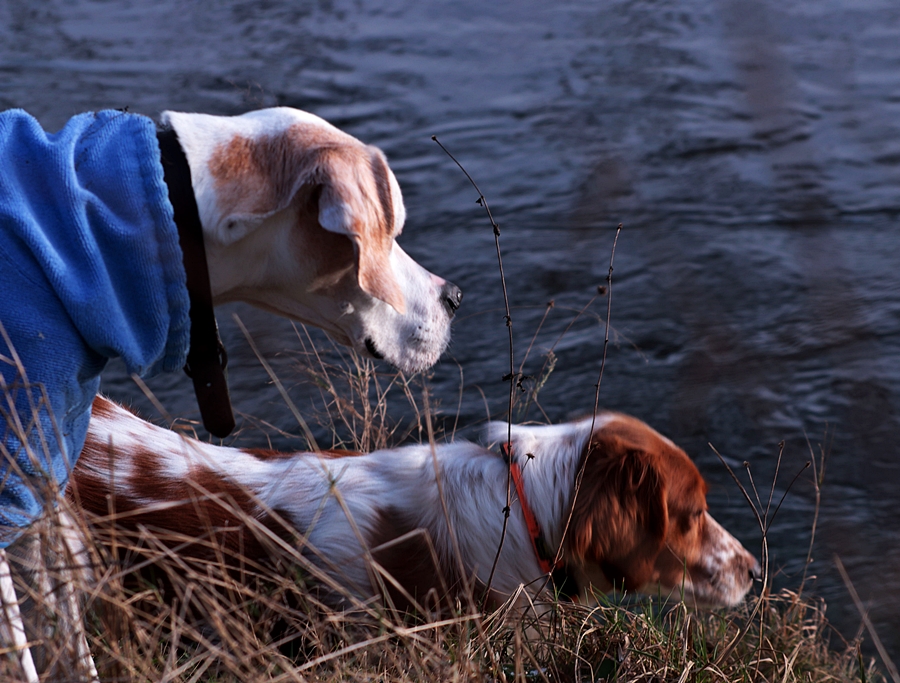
888,663
580,475
612,256
764,522
148,392
818,472
512,376
311,440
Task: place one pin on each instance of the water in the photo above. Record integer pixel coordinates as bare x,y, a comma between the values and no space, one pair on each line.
751,149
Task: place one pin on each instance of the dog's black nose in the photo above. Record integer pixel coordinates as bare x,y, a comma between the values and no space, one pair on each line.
755,572
451,295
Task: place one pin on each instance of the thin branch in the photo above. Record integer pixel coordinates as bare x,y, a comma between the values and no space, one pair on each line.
876,641
580,475
311,440
512,373
818,488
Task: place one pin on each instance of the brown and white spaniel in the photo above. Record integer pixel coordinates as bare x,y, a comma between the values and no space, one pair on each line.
639,521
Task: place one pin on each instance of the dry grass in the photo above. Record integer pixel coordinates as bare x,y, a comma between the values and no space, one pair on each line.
207,622
148,615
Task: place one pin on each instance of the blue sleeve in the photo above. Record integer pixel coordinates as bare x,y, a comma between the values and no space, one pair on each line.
90,269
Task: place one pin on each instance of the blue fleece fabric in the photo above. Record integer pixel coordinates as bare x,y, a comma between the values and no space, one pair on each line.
90,269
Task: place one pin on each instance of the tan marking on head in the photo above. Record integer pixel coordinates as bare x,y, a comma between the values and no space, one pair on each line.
374,278
260,175
240,179
257,177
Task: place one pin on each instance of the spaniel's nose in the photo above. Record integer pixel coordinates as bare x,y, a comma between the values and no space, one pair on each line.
451,296
755,571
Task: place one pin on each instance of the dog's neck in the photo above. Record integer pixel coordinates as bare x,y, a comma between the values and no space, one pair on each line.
547,456
546,533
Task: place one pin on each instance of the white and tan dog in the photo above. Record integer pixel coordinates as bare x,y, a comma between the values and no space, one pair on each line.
301,219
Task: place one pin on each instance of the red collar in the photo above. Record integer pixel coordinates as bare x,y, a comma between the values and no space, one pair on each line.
545,556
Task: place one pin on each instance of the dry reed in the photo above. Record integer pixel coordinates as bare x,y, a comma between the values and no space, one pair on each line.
233,619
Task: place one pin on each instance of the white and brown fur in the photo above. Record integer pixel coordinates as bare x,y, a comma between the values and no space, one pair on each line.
301,219
639,521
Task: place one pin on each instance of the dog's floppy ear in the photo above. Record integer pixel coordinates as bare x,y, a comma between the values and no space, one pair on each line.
241,179
357,200
620,516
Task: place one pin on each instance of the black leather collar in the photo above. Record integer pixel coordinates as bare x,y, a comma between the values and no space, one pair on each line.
207,360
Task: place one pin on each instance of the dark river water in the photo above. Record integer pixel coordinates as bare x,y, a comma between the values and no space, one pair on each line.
750,148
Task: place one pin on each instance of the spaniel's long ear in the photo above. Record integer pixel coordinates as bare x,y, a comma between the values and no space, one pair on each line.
620,517
248,178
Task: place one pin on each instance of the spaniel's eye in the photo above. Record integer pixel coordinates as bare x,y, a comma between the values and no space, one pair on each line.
697,514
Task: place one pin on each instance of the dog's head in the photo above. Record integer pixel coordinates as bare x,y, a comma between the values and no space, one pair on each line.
302,219
639,520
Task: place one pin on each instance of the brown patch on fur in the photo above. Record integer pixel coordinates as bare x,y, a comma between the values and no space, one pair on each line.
684,551
205,515
240,179
84,489
427,580
214,528
268,454
638,499
335,267
262,175
374,278
103,407
333,453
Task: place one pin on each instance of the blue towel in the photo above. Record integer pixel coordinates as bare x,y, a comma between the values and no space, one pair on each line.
90,269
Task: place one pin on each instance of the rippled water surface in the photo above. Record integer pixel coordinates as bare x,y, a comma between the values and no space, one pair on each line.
750,148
